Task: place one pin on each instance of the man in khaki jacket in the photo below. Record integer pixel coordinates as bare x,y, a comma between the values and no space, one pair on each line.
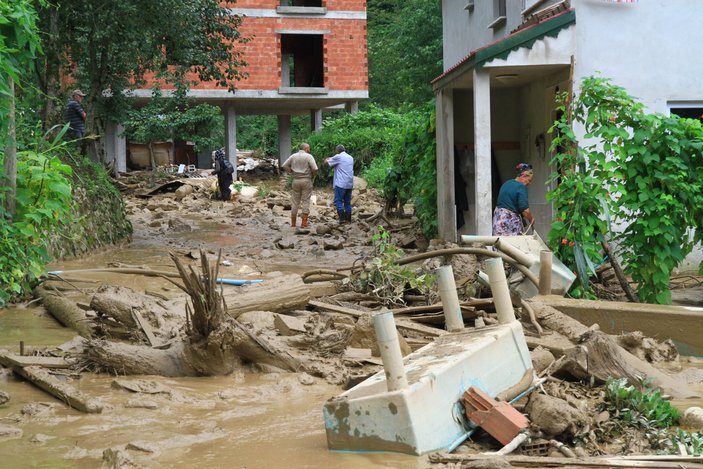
303,168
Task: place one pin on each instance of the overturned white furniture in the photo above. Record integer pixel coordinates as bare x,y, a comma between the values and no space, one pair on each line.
416,410
526,250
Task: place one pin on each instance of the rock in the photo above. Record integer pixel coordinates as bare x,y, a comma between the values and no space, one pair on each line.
555,416
265,254
183,191
364,336
247,193
360,184
693,418
305,379
497,462
115,458
8,432
41,438
286,243
288,325
541,359
142,446
155,224
140,402
4,397
141,385
333,244
178,225
38,409
322,229
258,320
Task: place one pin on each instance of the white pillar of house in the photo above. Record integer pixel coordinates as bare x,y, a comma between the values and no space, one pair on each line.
110,139
352,107
120,150
284,138
231,137
315,120
482,150
446,211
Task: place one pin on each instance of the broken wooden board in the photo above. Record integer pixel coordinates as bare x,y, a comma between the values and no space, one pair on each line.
146,327
64,392
653,461
10,360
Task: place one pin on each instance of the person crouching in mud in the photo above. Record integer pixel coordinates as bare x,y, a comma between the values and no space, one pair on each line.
223,169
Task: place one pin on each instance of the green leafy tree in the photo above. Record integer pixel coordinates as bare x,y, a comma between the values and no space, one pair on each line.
111,46
643,171
405,50
19,46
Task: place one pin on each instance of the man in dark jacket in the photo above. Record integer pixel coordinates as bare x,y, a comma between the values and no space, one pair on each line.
75,115
224,169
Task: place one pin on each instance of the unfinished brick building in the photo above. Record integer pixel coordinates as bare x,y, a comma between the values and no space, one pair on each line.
305,56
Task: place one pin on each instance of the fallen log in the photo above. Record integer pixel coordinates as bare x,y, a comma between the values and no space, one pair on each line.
59,389
552,319
66,312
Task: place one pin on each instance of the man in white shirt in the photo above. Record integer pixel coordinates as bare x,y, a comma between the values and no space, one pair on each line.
343,182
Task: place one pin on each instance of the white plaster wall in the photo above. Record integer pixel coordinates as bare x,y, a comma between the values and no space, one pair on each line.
651,48
464,31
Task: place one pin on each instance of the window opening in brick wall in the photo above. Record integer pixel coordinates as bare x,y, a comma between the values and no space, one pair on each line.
301,3
302,61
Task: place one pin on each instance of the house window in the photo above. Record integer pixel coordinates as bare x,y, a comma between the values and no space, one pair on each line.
499,8
301,3
499,13
689,112
302,61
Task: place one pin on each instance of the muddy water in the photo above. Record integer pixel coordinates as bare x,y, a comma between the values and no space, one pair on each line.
244,420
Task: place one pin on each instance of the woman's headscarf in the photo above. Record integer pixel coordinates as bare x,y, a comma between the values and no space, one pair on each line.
524,170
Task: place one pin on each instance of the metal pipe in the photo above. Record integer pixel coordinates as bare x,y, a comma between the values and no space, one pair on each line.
501,293
387,337
545,272
453,319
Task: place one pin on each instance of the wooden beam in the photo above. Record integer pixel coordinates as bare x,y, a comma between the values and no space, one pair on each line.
64,392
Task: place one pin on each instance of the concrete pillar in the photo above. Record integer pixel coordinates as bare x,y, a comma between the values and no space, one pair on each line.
110,137
120,149
446,211
284,138
315,120
352,107
231,137
482,151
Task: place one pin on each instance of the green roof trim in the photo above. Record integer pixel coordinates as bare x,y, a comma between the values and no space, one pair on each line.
526,38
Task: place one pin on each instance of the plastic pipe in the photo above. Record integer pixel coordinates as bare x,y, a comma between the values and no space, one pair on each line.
487,240
450,300
545,272
515,253
228,281
499,287
387,337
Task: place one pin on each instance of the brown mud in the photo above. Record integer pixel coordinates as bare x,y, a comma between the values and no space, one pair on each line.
252,417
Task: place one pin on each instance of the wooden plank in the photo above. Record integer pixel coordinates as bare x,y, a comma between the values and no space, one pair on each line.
539,461
146,327
59,389
402,325
10,360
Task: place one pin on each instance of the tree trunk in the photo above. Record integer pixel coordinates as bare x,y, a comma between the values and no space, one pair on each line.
11,152
66,312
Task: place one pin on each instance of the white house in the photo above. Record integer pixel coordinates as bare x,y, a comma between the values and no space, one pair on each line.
504,60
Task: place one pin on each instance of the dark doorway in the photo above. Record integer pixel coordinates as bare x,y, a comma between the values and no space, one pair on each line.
301,57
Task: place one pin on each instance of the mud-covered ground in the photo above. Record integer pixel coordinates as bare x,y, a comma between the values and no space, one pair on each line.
252,417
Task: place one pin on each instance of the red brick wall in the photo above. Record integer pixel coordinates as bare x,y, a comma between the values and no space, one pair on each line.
344,48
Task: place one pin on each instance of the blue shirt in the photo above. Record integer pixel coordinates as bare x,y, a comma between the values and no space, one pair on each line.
343,165
513,196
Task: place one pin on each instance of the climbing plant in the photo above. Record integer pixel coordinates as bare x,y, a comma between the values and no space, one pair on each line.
637,170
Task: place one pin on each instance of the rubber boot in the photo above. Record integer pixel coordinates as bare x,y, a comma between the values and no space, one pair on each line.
304,223
292,221
342,216
347,216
